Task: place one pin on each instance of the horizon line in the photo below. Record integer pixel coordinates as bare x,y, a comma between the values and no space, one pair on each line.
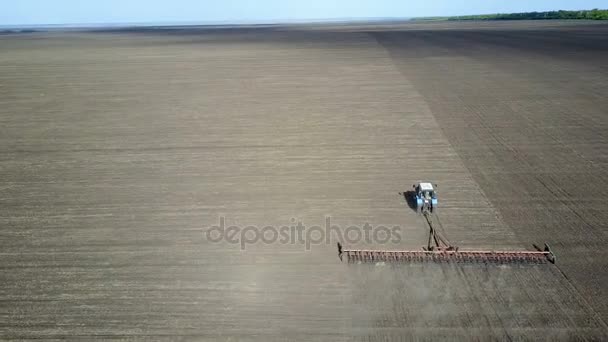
207,22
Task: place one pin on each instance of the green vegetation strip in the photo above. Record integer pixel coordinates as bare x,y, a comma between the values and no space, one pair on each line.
594,14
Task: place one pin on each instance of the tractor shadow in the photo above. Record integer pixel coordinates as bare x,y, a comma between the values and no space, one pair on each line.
409,197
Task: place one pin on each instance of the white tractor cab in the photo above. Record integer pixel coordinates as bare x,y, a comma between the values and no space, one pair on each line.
425,196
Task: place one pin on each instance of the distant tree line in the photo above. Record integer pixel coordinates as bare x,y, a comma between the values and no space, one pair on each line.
594,14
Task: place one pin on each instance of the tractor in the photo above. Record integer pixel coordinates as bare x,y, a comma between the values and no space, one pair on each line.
425,196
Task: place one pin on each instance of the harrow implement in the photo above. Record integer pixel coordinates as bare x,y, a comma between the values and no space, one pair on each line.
439,250
448,256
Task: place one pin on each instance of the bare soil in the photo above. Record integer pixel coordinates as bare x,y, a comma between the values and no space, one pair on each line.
119,149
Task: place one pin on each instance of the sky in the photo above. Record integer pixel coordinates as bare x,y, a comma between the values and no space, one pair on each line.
38,12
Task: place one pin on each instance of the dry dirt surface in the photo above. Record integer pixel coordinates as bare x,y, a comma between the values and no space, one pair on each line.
120,149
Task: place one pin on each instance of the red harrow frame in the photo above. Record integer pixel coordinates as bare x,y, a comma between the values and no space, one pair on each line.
455,256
